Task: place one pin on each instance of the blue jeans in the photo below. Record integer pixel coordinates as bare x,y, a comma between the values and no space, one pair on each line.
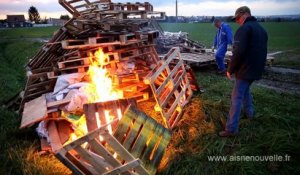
220,58
240,96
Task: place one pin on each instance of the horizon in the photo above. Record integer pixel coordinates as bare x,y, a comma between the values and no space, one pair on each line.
52,9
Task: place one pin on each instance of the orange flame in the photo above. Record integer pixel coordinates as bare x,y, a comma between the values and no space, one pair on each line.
101,84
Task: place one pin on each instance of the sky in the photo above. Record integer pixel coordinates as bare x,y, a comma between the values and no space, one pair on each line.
51,8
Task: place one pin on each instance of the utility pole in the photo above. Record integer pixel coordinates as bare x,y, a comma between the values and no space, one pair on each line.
176,12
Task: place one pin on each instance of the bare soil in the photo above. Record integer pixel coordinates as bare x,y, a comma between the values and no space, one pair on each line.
281,79
280,86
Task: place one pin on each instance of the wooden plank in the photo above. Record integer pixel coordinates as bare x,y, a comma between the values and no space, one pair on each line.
135,129
54,137
72,163
124,168
101,160
120,150
87,156
158,154
99,149
74,62
64,130
87,138
167,97
167,80
141,141
34,111
123,126
45,146
152,145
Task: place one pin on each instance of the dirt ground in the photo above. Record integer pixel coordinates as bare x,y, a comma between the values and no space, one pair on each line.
281,80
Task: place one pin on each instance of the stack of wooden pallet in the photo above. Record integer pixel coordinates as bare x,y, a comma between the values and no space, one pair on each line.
135,142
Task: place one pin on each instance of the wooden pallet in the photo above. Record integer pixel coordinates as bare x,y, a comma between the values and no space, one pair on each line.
198,60
73,27
82,44
102,39
143,137
146,52
73,62
171,87
37,85
190,74
131,6
188,49
50,52
126,15
97,113
193,44
79,7
127,25
88,155
138,96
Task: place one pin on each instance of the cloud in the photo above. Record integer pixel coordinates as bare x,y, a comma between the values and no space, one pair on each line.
51,8
226,8
28,1
46,8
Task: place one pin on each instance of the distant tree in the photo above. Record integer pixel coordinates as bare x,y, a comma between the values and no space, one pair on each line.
278,19
65,17
212,19
229,18
34,15
44,21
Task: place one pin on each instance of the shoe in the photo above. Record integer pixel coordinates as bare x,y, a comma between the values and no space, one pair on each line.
227,134
220,72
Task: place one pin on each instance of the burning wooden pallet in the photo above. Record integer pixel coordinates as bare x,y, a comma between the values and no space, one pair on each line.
98,114
136,147
171,87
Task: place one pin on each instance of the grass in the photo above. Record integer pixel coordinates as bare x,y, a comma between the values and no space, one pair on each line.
37,32
13,57
282,37
19,149
275,130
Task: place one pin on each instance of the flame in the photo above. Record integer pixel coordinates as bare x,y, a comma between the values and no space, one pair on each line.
101,85
100,89
108,118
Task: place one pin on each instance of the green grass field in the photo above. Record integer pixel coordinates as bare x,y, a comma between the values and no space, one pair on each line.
44,32
282,37
274,131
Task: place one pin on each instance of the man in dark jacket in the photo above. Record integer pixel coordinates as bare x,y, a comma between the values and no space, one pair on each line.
247,64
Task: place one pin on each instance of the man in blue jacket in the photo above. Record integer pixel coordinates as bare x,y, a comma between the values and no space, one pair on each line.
222,41
247,63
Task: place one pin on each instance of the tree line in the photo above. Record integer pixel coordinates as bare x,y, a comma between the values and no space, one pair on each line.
34,16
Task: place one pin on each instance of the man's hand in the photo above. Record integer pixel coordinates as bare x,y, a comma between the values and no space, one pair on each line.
229,76
229,47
